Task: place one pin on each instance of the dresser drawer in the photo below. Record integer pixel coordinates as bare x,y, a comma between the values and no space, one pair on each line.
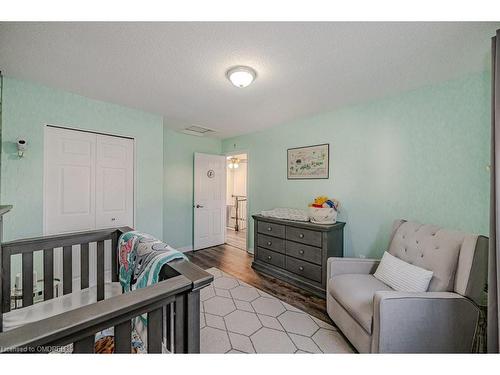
271,257
271,243
306,236
305,252
271,229
304,269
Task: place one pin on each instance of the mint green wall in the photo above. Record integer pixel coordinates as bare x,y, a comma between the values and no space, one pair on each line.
421,155
178,159
28,107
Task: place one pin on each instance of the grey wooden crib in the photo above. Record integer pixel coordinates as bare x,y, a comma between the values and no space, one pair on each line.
172,305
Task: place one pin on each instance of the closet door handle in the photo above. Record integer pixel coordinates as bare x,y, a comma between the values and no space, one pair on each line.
301,235
301,268
301,252
269,243
269,229
269,257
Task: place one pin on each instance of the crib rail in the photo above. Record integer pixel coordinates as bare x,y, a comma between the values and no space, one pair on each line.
79,326
47,244
172,306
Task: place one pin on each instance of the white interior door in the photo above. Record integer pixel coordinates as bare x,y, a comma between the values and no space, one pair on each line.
114,182
209,200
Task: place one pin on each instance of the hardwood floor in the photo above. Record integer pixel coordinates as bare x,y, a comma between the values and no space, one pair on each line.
238,262
237,239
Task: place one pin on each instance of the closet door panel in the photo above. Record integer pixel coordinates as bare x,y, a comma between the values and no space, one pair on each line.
69,203
114,182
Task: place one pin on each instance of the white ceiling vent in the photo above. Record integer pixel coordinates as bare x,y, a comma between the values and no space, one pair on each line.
198,131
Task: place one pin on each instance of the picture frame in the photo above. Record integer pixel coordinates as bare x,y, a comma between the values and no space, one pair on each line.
309,162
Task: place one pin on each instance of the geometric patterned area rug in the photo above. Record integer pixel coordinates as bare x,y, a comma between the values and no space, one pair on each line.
235,317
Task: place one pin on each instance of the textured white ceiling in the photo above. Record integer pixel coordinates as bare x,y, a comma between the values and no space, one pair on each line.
178,69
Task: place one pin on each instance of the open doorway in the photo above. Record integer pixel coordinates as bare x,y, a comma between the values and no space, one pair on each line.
236,200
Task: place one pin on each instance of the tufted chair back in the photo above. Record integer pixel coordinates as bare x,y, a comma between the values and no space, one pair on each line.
458,260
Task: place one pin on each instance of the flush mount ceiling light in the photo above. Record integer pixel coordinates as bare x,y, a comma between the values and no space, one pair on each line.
241,76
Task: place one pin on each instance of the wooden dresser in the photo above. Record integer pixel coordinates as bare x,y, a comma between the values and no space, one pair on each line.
296,251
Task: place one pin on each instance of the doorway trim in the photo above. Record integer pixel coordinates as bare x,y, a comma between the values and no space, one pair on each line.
73,128
239,152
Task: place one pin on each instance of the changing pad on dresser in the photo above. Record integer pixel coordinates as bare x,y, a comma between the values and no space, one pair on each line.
287,214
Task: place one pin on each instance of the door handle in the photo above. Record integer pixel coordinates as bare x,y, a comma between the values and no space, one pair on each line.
198,206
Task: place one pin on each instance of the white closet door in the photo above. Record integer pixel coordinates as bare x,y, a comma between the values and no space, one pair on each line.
89,181
69,181
114,182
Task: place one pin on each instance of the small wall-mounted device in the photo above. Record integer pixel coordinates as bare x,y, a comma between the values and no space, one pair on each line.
22,145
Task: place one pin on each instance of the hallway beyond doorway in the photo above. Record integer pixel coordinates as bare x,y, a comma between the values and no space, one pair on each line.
236,200
237,238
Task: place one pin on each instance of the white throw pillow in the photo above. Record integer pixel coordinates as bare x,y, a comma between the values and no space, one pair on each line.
402,276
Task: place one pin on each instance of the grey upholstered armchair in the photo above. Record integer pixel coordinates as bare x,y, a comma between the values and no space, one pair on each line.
378,319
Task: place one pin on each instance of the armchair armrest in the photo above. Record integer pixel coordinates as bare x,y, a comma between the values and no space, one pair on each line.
341,266
430,322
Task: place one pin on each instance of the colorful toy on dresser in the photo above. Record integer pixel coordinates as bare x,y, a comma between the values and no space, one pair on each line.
324,202
323,210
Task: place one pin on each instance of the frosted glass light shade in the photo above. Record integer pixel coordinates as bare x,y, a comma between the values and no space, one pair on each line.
233,163
241,76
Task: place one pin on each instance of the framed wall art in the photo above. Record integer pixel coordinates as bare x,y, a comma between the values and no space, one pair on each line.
310,162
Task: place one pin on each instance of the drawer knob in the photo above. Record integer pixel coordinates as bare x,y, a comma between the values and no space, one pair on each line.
301,268
301,235
269,243
269,257
301,251
269,229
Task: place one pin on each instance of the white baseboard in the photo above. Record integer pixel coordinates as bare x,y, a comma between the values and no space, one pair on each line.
185,249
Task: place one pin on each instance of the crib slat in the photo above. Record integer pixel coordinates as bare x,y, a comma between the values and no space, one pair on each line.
114,257
155,331
27,260
169,326
179,324
123,337
192,322
5,281
85,345
48,274
84,265
1,274
100,270
67,269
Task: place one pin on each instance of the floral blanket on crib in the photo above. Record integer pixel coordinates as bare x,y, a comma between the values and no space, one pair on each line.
141,259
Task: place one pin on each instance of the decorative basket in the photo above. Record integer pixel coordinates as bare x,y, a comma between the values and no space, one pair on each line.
322,215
